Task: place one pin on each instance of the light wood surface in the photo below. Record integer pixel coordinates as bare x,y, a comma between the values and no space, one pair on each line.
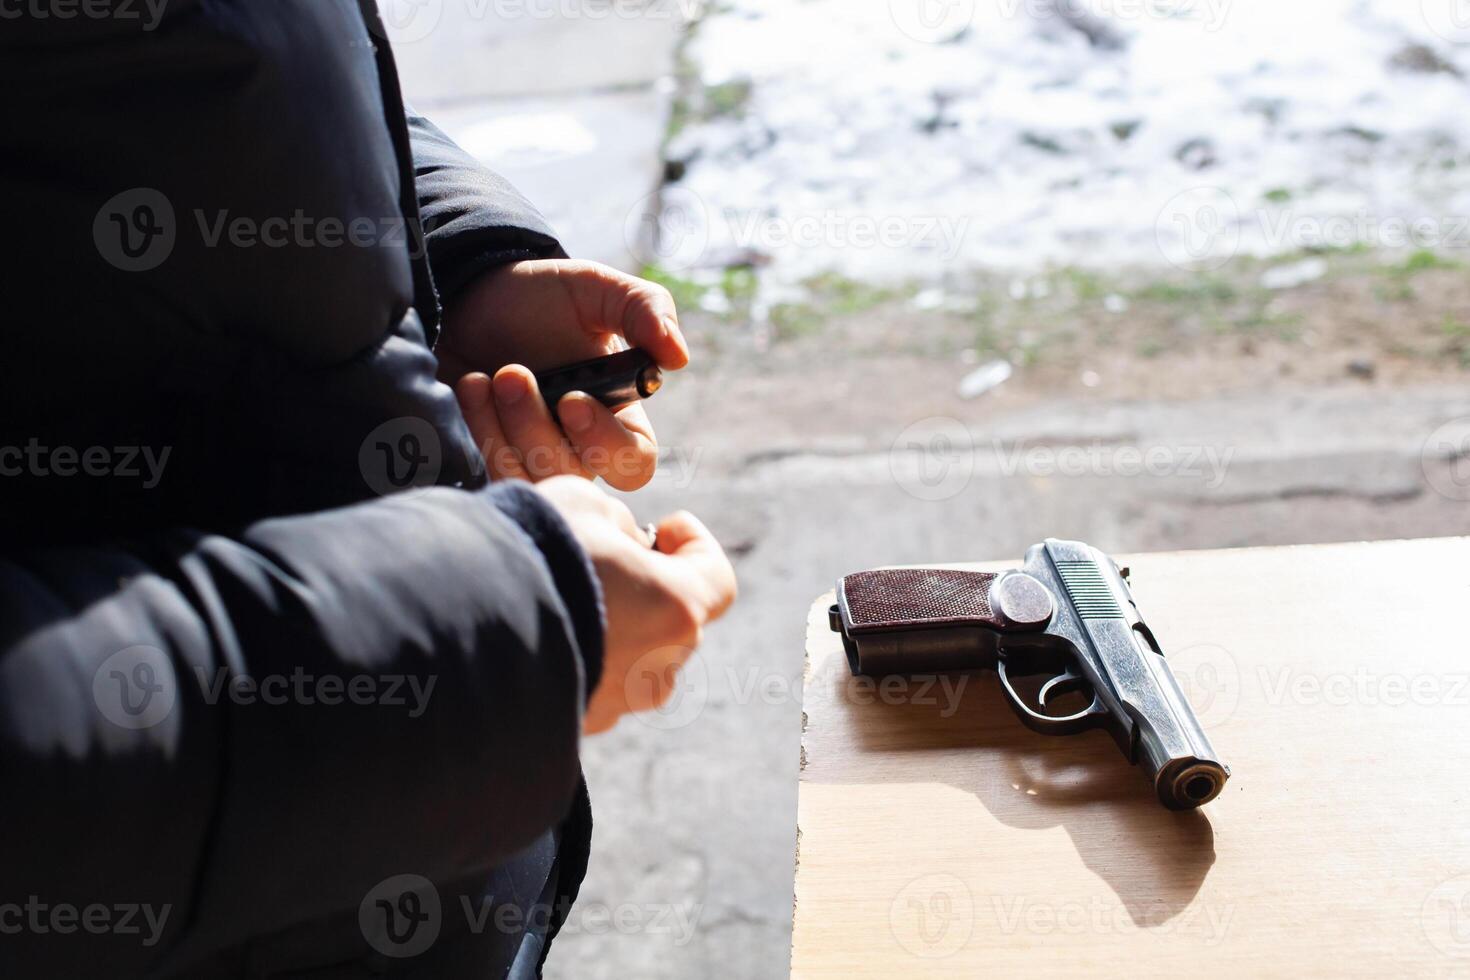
938,837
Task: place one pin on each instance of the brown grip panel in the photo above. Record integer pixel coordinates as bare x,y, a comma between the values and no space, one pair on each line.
917,598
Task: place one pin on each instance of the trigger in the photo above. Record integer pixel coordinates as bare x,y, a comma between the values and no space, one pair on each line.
1063,683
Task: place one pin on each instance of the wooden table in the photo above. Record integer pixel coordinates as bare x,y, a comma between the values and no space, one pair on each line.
938,837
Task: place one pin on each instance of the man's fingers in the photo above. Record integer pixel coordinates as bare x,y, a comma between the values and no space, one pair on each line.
529,427
619,448
650,321
609,301
477,403
703,562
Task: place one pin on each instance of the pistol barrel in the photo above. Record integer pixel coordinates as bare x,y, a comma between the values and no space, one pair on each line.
1172,747
1147,713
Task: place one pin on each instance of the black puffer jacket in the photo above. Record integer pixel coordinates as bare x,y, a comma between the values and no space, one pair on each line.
220,750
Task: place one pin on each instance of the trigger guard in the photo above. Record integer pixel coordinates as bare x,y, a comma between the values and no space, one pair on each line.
1048,724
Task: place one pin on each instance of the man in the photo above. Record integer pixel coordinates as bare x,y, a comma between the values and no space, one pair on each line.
263,713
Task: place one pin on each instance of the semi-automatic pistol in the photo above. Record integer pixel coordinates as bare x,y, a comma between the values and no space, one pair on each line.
1068,614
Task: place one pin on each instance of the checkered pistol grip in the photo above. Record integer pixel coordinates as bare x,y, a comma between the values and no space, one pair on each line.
917,598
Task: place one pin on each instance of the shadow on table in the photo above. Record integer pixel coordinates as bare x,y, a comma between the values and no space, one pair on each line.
1153,858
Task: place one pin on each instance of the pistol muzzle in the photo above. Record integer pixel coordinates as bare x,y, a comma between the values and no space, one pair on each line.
1189,783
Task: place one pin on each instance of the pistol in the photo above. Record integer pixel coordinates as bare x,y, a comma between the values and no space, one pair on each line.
1067,615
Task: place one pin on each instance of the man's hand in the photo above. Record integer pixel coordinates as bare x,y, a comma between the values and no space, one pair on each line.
534,315
657,601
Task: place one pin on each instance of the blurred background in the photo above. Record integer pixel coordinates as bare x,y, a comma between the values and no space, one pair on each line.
959,275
